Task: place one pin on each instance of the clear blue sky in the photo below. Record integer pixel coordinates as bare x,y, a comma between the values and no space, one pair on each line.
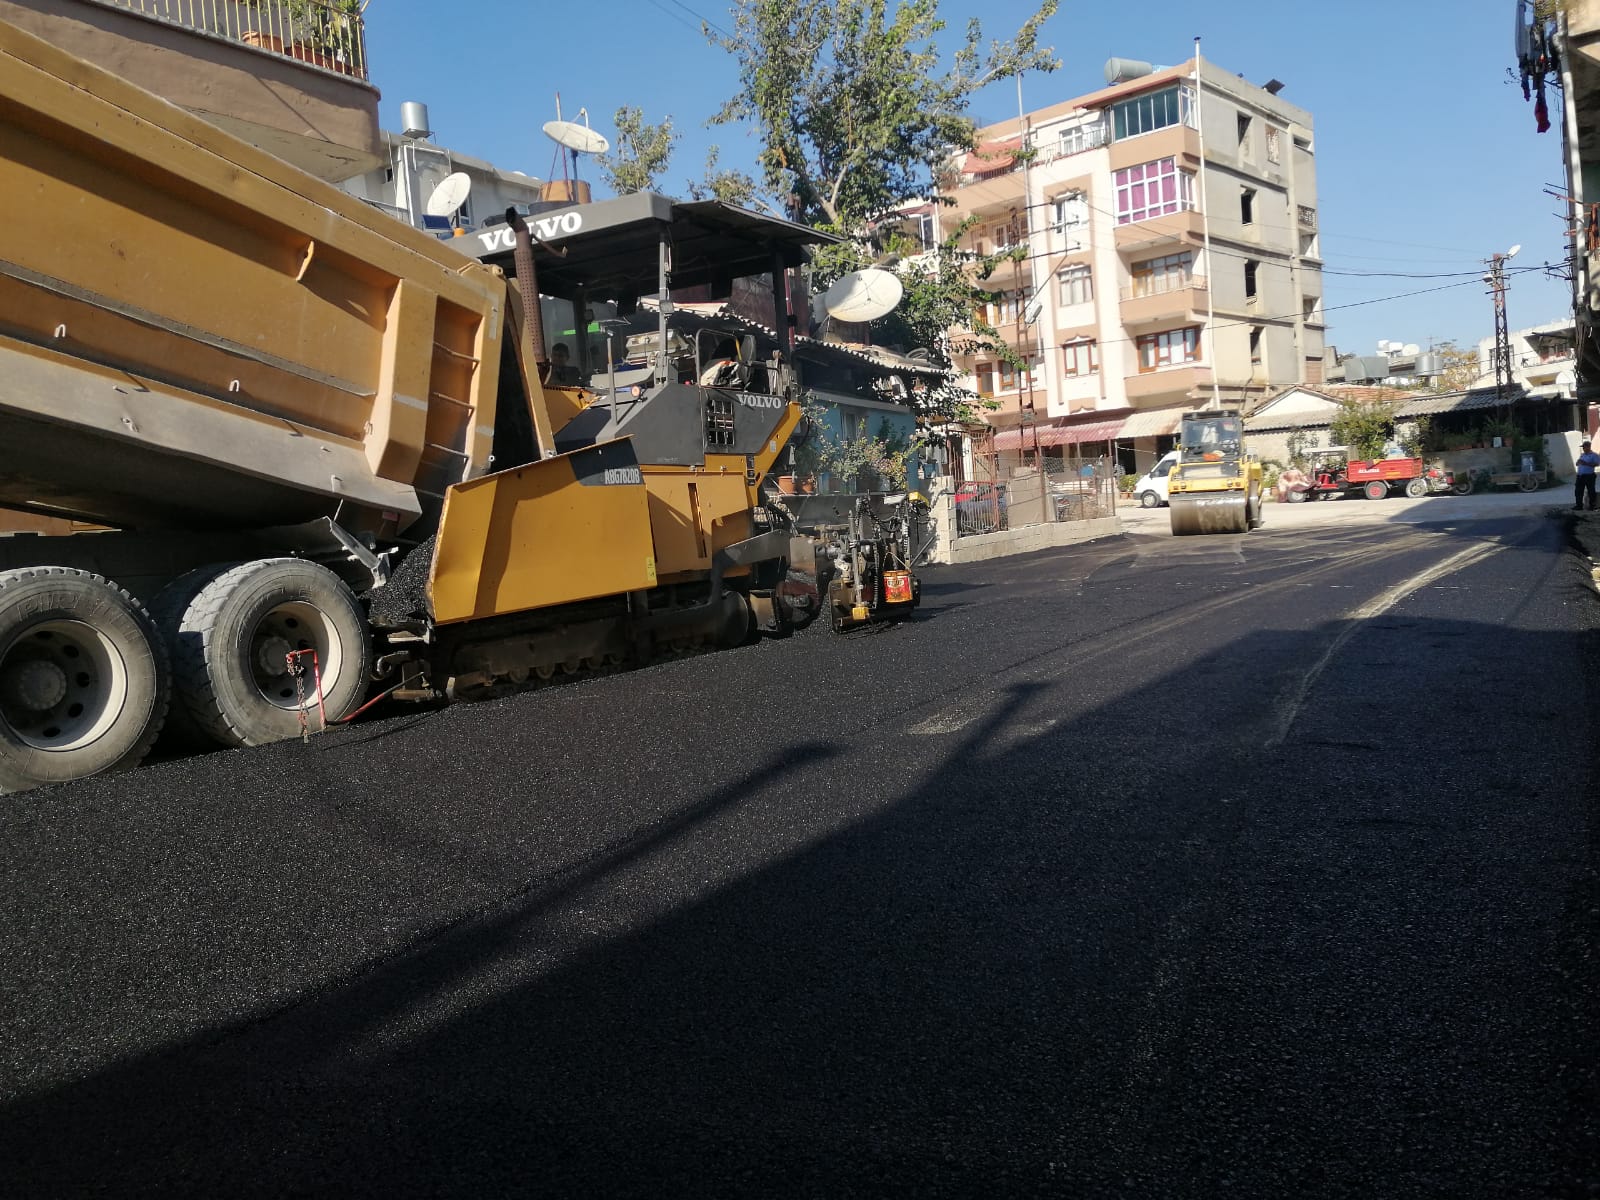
1427,158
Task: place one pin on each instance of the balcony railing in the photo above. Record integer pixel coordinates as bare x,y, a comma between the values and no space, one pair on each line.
330,34
1161,285
1308,217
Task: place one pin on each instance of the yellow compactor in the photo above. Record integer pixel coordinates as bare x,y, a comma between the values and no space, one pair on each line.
1215,487
330,453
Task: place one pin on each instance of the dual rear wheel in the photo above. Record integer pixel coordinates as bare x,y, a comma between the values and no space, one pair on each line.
89,677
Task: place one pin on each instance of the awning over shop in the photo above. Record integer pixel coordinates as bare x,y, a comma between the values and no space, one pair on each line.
1163,422
1056,435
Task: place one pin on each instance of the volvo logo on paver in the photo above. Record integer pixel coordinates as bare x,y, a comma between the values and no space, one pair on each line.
751,400
542,228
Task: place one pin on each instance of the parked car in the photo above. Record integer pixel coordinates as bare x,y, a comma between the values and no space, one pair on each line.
1150,489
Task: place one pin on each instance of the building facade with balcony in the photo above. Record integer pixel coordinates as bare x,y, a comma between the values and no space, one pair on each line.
1557,53
1158,273
288,76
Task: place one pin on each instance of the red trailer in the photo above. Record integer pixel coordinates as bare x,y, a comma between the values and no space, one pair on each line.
1332,473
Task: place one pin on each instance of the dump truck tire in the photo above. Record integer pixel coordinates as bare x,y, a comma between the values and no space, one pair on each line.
84,680
1376,490
230,647
182,731
1215,512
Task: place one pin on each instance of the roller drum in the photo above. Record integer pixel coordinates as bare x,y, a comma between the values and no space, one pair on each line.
1220,512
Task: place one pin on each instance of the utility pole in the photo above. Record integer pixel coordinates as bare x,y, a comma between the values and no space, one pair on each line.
1496,279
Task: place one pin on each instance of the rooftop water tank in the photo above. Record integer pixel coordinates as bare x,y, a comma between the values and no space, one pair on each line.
414,120
1120,70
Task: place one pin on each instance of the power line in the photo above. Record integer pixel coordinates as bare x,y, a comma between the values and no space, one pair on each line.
1261,320
675,16
706,20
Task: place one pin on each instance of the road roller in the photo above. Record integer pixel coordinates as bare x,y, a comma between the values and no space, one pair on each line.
1215,487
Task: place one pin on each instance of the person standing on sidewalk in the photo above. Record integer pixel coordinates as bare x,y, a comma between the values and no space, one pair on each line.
1584,483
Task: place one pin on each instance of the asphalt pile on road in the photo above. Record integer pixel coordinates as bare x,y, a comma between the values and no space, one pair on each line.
405,596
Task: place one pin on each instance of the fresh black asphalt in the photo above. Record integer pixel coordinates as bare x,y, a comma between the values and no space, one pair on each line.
1135,869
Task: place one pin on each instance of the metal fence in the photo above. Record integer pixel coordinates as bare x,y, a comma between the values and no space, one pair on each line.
329,34
1082,489
1004,495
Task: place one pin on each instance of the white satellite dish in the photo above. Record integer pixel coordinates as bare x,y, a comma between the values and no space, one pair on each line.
1411,350
450,195
578,138
863,295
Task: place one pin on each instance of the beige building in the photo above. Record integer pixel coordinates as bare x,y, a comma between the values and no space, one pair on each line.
1157,276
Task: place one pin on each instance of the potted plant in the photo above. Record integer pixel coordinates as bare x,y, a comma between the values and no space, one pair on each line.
324,32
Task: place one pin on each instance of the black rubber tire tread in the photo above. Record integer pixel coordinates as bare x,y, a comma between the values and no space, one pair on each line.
233,714
182,731
124,746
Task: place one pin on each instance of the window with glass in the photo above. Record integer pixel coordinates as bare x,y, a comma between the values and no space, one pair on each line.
1003,308
1153,189
1075,139
1157,276
926,230
1076,284
1080,357
1169,348
1157,110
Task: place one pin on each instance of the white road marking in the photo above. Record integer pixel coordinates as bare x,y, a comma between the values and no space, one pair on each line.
1375,607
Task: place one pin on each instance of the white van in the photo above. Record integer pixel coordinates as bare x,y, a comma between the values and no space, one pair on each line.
1151,489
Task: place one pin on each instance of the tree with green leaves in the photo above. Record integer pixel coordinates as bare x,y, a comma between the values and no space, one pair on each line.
853,105
1364,427
857,111
1460,368
725,184
640,152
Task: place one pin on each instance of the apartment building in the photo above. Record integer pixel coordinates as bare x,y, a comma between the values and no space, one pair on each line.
408,186
1157,275
1557,53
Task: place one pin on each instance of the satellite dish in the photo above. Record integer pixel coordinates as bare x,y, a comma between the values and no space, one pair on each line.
450,195
863,295
1411,350
578,138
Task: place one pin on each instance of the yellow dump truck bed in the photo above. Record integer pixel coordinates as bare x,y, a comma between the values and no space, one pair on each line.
196,334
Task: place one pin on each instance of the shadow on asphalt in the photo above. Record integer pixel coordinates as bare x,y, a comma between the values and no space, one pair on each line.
1033,972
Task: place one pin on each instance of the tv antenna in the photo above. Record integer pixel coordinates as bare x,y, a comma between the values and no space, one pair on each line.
446,199
863,295
575,139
